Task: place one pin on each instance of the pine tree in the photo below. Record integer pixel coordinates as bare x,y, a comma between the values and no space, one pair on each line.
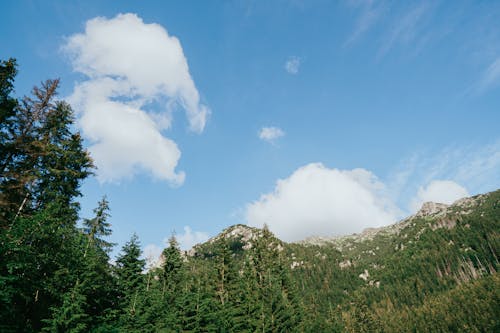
8,106
171,276
268,294
42,164
43,160
98,227
71,315
38,261
129,268
172,269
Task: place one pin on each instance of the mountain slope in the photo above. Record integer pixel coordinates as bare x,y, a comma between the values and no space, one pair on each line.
442,258
411,268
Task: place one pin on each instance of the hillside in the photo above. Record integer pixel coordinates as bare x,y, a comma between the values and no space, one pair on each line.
422,266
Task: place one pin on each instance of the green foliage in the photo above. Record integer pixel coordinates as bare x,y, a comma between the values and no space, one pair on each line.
129,267
432,274
70,316
98,227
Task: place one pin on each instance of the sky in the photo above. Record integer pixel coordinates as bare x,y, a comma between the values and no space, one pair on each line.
314,117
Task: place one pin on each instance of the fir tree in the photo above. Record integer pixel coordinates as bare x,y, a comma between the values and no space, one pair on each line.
129,268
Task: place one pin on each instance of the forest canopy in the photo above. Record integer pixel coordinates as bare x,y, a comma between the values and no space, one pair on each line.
56,273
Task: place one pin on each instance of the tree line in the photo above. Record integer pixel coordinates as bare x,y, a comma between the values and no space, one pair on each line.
56,273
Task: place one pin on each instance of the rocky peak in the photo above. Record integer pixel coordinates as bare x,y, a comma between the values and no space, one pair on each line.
239,231
431,208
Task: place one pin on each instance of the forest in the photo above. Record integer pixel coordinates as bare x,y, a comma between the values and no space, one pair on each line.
435,274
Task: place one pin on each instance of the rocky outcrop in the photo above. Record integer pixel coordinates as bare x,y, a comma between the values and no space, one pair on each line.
429,209
432,208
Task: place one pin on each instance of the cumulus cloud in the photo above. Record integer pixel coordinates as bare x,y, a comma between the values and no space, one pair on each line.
186,240
151,254
442,191
316,200
475,167
270,134
292,65
190,238
136,76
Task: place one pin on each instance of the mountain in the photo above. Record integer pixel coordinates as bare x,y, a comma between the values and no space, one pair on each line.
435,270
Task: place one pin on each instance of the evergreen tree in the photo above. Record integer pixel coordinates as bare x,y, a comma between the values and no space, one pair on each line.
172,283
172,272
96,279
42,160
98,227
42,164
277,307
39,257
8,106
129,268
71,315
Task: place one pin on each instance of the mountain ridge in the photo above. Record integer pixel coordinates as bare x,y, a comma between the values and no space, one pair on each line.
428,209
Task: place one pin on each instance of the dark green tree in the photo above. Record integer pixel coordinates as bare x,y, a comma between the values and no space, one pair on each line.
42,165
71,315
43,160
129,268
173,285
98,227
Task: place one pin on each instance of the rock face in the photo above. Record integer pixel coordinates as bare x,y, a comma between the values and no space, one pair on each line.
240,236
431,208
445,215
242,232
365,275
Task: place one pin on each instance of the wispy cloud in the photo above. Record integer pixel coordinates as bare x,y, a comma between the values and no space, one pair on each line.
292,65
405,29
371,11
270,134
490,77
474,167
398,24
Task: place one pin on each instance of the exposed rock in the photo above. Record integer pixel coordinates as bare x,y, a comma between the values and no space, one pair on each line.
345,264
429,209
242,232
432,208
365,275
444,223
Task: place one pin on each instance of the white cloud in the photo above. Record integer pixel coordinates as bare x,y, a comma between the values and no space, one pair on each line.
152,253
270,134
442,191
316,200
137,75
491,76
186,240
370,13
476,167
190,238
292,65
407,28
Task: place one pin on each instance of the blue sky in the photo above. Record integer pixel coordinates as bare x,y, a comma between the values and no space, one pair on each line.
315,117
